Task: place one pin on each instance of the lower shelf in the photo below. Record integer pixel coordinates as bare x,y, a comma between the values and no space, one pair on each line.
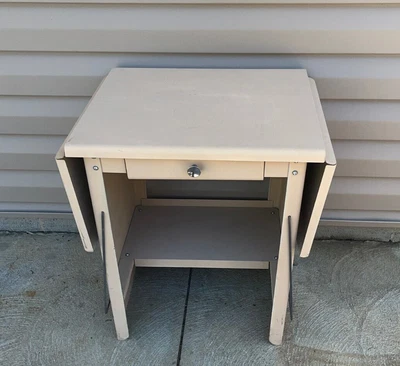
206,237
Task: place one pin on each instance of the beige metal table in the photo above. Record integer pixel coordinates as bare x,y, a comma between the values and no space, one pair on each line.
145,125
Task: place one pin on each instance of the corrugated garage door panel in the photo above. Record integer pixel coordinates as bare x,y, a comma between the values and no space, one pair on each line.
374,194
29,152
39,116
367,158
363,120
212,29
41,187
391,218
69,74
26,209
53,56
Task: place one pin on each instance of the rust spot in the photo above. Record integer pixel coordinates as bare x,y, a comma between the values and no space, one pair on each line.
30,293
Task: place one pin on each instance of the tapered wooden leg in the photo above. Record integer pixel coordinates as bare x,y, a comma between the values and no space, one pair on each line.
99,201
294,192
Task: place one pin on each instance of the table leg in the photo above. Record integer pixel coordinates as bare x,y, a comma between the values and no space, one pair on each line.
294,192
272,272
99,201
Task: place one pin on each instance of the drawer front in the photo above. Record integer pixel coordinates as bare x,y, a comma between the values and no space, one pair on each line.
209,170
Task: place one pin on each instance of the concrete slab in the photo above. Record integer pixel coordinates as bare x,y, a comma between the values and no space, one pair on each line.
346,309
228,319
51,310
359,233
348,302
14,223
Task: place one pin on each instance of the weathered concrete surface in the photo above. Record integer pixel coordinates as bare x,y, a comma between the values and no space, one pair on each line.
382,234
37,224
346,309
51,310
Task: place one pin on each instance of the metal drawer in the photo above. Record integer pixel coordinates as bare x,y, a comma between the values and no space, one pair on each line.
188,169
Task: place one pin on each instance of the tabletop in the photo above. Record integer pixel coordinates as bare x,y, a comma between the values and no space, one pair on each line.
210,114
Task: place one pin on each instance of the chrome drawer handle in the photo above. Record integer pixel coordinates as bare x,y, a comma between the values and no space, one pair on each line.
194,171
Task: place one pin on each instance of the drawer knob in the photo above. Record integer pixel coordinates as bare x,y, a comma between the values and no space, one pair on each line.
194,171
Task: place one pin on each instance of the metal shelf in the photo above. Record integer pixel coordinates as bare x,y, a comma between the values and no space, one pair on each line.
206,237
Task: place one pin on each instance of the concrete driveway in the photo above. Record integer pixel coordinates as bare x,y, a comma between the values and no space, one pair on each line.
346,309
